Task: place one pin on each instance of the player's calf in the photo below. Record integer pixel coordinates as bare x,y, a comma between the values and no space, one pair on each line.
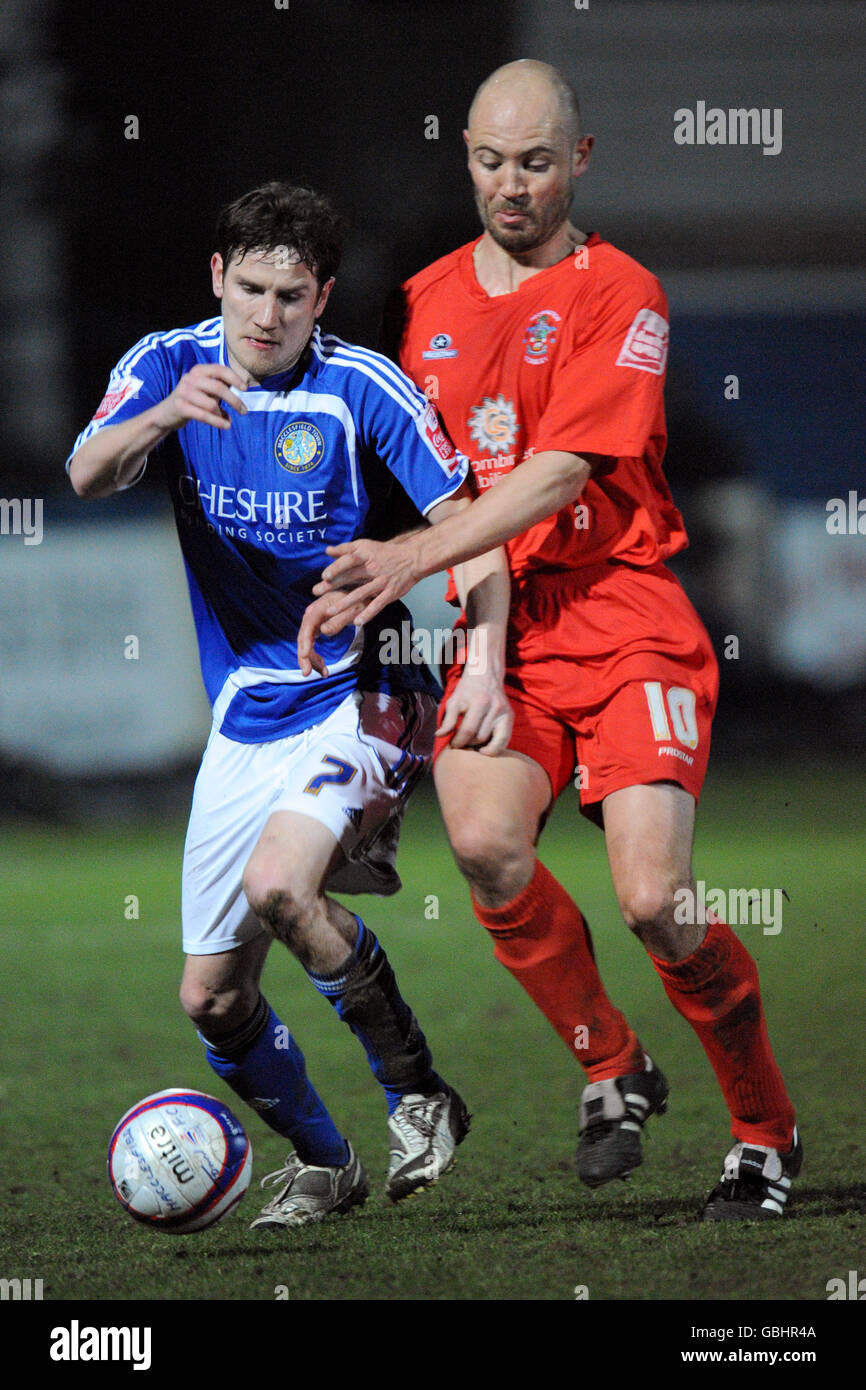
264,1065
365,995
427,1119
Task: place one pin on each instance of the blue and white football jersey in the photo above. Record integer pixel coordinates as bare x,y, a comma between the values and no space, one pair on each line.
257,504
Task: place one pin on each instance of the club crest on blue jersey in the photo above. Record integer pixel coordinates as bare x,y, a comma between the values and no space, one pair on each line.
299,447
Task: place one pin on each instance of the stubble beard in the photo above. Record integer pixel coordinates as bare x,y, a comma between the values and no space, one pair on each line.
528,238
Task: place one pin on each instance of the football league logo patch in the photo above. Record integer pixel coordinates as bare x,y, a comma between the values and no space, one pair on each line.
299,447
439,441
120,389
646,343
493,425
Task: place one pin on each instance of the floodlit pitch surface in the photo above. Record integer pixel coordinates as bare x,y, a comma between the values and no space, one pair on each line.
91,1023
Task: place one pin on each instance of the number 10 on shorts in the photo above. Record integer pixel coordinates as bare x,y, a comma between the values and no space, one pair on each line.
676,712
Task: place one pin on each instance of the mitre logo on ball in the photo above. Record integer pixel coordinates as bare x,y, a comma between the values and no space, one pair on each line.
179,1161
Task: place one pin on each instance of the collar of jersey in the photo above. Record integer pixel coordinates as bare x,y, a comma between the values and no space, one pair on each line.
470,279
282,381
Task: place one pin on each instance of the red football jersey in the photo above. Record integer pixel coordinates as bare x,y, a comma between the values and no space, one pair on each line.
573,360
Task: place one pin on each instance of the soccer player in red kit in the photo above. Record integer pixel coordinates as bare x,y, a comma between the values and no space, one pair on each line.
545,349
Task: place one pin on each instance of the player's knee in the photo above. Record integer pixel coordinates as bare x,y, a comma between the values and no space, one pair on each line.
647,903
216,1011
494,862
284,908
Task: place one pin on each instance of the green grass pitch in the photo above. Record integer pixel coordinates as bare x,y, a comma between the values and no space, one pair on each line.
91,1023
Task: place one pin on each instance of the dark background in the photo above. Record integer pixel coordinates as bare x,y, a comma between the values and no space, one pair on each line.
229,95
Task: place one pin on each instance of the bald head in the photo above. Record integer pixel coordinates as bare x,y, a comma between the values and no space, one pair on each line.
525,148
528,86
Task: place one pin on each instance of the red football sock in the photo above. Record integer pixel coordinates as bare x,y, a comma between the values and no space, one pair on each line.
716,989
542,939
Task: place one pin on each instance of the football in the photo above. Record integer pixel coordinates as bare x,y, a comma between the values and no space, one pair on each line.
179,1161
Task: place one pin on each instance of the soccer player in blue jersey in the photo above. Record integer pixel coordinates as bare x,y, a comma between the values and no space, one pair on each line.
271,434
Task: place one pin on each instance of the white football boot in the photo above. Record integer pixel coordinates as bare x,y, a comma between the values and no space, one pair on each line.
424,1132
308,1193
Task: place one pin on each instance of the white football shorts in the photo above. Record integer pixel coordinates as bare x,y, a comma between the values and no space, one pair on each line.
353,773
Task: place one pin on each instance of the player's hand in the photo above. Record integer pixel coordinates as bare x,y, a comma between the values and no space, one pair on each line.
377,572
202,394
311,625
479,706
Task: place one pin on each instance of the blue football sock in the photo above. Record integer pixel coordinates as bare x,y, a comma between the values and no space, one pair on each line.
365,995
264,1066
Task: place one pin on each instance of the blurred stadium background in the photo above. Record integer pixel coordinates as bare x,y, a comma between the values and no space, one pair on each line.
104,238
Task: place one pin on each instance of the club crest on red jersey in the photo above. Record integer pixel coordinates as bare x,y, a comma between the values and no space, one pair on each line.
493,425
120,390
646,343
540,335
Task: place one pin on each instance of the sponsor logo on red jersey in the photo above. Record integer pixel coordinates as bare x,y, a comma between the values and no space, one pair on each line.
118,391
646,343
493,424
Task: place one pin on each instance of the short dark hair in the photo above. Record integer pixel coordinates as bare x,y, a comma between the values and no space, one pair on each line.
281,214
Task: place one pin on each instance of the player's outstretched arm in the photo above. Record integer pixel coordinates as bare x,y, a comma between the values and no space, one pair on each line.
382,572
478,707
334,610
113,457
320,610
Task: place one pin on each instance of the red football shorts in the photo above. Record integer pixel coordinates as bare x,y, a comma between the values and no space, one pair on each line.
612,679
